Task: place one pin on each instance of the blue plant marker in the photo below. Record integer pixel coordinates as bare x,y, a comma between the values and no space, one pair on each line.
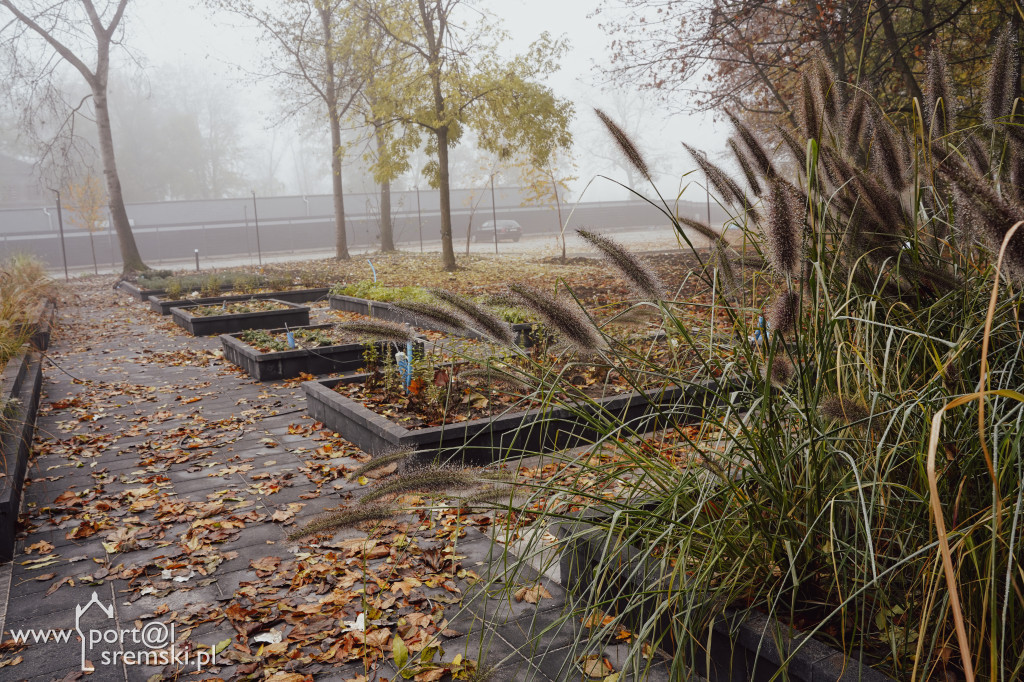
761,333
291,337
404,368
373,269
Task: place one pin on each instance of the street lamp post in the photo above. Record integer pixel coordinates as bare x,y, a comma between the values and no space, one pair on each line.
256,219
60,225
419,216
494,216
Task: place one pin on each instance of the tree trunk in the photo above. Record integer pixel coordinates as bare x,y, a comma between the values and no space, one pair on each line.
387,227
92,246
331,99
131,261
447,249
892,43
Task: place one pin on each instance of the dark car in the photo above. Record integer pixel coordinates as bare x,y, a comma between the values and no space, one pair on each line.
507,229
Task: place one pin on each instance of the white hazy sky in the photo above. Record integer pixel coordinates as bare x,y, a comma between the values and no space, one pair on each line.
185,34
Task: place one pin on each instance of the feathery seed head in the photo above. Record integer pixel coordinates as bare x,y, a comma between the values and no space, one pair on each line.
475,315
940,105
783,228
779,371
890,156
625,144
783,312
808,108
795,148
332,521
1003,78
379,329
433,314
727,190
431,478
846,409
564,317
641,277
757,154
494,376
748,172
827,91
381,461
856,123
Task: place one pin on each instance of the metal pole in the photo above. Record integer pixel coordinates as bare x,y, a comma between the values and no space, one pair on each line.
494,216
419,214
256,217
60,225
197,260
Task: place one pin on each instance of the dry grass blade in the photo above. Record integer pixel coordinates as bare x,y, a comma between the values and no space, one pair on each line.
639,275
625,144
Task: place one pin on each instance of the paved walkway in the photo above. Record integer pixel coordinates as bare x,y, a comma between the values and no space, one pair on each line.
165,483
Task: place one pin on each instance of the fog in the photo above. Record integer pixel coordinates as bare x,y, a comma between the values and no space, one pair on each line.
194,118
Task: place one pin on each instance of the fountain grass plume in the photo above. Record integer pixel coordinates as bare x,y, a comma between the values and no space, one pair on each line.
795,148
381,461
563,316
783,228
847,409
639,274
856,124
748,171
494,495
940,105
430,478
727,189
1003,78
434,314
977,155
889,158
779,371
493,375
754,149
625,145
332,521
476,315
783,312
1017,170
808,108
379,329
827,91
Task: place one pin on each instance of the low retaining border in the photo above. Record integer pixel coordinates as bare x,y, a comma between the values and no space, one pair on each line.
482,441
20,384
293,315
742,646
287,364
163,305
526,333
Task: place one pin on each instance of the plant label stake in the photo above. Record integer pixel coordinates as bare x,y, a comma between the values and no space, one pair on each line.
404,368
291,337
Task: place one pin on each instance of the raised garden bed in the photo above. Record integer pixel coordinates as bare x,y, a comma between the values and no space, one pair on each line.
288,314
159,304
742,646
137,292
482,441
20,384
285,364
526,334
40,324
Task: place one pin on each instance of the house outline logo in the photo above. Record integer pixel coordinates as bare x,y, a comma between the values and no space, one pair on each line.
79,612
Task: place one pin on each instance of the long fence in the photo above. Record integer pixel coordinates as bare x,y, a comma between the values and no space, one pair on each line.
173,231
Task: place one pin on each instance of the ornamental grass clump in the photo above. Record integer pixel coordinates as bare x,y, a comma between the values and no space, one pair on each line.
853,469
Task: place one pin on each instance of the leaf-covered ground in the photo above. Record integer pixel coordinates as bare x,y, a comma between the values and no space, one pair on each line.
165,481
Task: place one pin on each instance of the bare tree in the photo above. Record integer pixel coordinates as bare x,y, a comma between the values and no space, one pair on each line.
70,29
313,40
